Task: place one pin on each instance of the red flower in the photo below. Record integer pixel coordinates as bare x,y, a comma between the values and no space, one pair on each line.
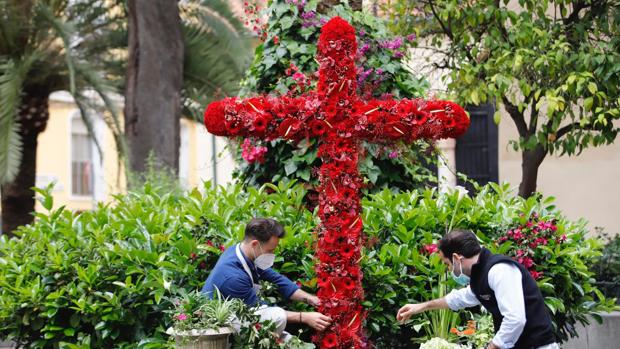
329,341
214,118
318,127
276,40
349,284
430,248
536,274
260,124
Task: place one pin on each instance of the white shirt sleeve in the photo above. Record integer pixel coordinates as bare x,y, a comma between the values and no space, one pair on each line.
461,298
505,281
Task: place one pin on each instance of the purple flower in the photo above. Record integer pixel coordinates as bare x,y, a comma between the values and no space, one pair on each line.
398,54
393,154
362,32
394,44
364,49
379,71
411,37
323,21
308,15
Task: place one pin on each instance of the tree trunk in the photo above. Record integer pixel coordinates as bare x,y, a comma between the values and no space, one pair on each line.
530,162
325,5
154,80
17,196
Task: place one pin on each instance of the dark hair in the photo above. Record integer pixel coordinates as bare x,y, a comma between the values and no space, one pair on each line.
460,241
262,229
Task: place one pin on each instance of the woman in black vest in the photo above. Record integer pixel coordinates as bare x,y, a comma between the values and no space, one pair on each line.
498,283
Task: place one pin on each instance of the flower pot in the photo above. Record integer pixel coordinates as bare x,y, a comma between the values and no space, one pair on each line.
202,339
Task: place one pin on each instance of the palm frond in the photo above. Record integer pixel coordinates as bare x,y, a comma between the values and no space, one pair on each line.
103,90
84,108
12,76
65,31
218,50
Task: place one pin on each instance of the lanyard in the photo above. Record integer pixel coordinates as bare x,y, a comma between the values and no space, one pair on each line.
243,262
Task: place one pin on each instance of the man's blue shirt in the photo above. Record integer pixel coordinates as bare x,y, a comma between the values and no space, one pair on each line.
232,281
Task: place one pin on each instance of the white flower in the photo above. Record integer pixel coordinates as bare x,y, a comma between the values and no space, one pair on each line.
440,343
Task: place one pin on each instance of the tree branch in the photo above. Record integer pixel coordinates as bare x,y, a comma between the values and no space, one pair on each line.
516,116
443,26
574,16
448,31
533,115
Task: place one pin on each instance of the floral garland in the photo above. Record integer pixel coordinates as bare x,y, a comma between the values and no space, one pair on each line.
340,119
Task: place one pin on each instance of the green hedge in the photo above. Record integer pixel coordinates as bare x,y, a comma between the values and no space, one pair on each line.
105,278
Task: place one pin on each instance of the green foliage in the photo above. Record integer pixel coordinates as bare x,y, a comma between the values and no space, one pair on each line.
293,32
105,278
554,65
607,268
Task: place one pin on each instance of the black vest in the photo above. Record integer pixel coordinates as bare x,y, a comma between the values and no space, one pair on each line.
538,330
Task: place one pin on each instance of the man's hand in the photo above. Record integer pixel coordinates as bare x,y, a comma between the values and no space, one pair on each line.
491,345
408,310
316,320
313,300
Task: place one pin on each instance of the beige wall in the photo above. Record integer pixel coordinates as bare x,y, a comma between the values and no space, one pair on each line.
585,186
54,157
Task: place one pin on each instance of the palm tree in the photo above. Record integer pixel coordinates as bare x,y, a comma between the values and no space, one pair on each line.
45,46
81,45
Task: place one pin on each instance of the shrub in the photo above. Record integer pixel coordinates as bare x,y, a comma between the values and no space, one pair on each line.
104,278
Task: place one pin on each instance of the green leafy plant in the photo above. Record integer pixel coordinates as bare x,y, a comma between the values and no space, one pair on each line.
194,311
105,278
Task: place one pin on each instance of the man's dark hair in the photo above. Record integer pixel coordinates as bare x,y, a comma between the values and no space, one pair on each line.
459,241
262,229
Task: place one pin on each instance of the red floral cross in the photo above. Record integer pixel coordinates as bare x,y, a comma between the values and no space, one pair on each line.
339,119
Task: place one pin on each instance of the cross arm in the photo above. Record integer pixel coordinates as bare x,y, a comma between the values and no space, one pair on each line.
266,117
409,119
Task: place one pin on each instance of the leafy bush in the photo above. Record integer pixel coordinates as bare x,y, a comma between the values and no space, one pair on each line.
286,60
105,278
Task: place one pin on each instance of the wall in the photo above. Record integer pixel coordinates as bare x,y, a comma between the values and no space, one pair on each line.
585,186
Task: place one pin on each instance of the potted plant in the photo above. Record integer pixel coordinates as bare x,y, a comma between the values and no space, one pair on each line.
203,323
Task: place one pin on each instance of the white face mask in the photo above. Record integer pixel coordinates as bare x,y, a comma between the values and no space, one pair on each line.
265,260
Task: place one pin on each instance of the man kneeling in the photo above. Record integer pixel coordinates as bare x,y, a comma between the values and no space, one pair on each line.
240,268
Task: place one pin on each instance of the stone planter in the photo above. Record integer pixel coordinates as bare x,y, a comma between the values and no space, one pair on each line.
202,339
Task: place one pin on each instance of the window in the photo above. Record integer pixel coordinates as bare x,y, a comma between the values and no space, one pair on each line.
81,159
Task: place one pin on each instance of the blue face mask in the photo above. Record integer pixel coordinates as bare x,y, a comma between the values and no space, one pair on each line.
462,279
